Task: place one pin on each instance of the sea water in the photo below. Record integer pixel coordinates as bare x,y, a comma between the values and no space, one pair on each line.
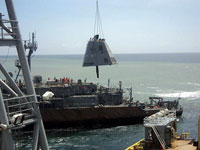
167,75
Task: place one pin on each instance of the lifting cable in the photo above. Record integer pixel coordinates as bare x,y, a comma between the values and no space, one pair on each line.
98,29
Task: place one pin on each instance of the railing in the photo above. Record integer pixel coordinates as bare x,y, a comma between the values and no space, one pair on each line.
20,105
8,29
160,117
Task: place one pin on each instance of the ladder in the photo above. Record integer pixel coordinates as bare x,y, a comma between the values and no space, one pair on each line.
160,139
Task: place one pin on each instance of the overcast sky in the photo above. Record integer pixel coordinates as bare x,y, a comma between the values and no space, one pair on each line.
130,26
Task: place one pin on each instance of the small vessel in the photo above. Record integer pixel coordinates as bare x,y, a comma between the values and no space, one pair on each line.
161,133
158,103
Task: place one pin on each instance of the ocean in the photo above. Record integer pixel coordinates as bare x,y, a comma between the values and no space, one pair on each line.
168,75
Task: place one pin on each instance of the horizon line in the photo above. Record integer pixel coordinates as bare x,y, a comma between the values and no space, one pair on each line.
120,53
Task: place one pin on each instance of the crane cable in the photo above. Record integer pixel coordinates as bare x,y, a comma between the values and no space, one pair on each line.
98,29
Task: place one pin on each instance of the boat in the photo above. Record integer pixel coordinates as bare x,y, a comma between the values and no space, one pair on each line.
82,104
161,133
158,103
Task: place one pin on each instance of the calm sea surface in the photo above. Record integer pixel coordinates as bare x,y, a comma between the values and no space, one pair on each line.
166,75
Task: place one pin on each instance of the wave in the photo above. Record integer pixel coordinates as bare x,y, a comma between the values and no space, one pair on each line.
191,84
194,94
196,84
152,87
159,90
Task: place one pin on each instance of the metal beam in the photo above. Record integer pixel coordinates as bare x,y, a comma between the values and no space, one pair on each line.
6,87
199,133
10,80
26,72
8,42
35,137
7,141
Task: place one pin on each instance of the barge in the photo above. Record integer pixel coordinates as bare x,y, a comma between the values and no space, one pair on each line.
84,104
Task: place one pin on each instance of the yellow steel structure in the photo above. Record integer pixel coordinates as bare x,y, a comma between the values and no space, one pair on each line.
199,134
136,146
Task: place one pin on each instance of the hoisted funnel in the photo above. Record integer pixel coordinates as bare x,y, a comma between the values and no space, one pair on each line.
97,51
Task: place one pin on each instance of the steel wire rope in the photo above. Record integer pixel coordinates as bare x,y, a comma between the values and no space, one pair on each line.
98,28
100,25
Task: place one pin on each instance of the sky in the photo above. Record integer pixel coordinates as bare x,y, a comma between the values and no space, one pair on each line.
129,26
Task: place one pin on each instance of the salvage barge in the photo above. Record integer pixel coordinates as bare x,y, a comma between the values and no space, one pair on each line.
77,104
84,104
